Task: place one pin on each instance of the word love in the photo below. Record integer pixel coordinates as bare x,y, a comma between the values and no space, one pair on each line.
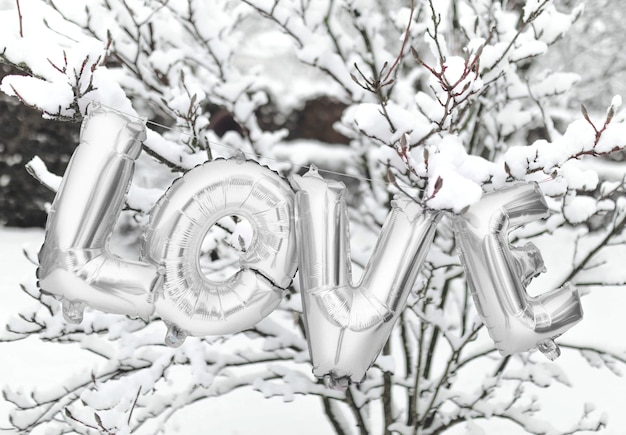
303,226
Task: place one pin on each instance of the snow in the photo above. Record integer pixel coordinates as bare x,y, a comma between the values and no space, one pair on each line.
22,365
531,7
453,187
578,138
370,119
245,411
30,89
528,49
272,53
428,106
553,84
306,152
243,63
512,117
141,198
38,169
71,61
173,151
22,362
579,176
552,24
613,137
616,101
456,73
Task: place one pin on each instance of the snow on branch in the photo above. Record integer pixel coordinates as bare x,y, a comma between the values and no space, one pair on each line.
470,110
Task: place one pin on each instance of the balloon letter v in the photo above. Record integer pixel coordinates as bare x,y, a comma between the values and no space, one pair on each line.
347,325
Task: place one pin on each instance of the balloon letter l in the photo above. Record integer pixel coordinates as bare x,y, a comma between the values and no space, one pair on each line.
74,262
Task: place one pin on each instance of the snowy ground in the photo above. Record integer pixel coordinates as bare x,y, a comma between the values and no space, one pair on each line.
31,362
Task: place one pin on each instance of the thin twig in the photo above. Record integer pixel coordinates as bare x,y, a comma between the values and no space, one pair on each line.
617,228
404,41
19,14
130,414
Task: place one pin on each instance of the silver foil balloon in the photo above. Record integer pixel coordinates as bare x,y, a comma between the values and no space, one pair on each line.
74,262
347,325
191,303
498,274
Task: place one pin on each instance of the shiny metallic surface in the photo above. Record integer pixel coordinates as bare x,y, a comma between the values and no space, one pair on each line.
190,302
74,262
348,324
497,273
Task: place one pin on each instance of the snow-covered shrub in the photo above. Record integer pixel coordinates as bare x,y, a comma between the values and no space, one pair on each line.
444,101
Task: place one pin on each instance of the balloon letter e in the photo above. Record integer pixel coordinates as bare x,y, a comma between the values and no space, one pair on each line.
347,325
498,274
74,262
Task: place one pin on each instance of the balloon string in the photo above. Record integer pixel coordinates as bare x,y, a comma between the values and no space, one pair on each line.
213,143
249,154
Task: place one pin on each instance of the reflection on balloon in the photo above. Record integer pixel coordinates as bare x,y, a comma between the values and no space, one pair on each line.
74,262
497,274
190,302
347,325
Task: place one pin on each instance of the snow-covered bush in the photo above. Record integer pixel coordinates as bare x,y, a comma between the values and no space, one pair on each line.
443,101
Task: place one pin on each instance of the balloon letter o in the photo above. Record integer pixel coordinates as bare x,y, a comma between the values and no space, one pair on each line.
190,301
